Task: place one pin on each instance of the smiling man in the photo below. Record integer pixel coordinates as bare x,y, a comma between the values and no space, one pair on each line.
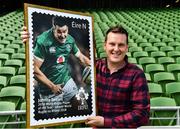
122,91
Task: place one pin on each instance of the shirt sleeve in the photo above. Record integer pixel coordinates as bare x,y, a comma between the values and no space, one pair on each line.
75,49
39,51
140,106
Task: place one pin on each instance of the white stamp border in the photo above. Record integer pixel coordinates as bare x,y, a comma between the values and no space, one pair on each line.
32,121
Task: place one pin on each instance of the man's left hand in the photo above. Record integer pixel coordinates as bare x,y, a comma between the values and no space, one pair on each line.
95,121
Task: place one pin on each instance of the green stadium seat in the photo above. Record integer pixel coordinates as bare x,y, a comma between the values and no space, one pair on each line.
143,45
154,40
163,78
15,94
158,54
140,66
166,40
13,46
19,56
21,50
6,106
174,54
174,44
3,82
178,60
19,42
3,58
154,68
160,45
166,48
18,80
177,48
140,54
146,60
132,60
7,72
166,61
4,42
163,101
148,77
155,90
14,63
134,49
22,70
23,116
9,38
1,46
174,68
8,51
173,89
102,55
151,49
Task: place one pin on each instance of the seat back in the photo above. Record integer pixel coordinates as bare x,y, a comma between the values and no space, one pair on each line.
171,114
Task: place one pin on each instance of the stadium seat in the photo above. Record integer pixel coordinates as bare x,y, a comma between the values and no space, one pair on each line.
13,46
15,94
158,54
174,68
4,42
151,49
18,80
174,54
14,63
166,61
163,78
7,72
21,50
6,106
22,70
132,60
155,90
23,116
3,82
173,90
146,60
3,58
154,68
8,51
148,77
140,54
163,101
166,48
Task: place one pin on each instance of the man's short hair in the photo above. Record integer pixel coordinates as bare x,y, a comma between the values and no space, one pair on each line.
117,29
60,21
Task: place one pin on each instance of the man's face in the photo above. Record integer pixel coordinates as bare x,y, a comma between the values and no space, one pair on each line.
116,47
60,33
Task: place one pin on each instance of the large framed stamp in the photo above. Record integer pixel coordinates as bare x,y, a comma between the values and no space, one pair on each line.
60,66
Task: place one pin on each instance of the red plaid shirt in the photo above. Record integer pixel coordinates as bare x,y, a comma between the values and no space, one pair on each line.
122,97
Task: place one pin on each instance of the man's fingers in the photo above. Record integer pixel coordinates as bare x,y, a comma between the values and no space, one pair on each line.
24,28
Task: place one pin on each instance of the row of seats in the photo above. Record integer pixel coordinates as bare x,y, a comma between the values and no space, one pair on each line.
12,69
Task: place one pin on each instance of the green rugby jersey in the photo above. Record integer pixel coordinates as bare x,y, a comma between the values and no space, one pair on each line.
55,56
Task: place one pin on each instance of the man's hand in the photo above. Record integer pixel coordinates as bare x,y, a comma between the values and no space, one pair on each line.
57,89
24,34
95,121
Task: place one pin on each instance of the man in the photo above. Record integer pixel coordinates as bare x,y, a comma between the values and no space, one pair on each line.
122,91
51,52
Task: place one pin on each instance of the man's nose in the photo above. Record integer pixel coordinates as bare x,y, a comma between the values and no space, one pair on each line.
116,48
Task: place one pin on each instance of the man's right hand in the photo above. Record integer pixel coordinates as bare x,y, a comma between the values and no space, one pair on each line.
24,34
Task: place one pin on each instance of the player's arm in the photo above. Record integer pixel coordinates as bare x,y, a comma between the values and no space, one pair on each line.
85,60
37,64
41,77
